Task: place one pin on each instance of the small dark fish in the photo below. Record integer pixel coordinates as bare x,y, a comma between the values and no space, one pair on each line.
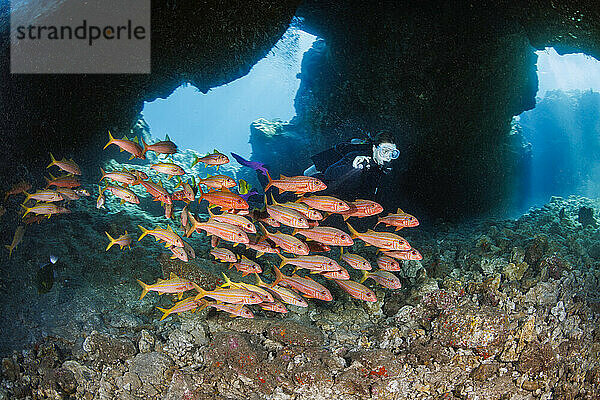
255,165
46,275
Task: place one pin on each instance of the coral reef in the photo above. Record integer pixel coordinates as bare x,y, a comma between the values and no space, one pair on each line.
496,309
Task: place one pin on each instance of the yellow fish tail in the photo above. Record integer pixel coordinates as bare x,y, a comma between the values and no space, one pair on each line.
364,277
259,282
165,313
145,288
144,232
112,241
111,140
353,233
53,161
27,210
284,261
227,281
10,249
279,276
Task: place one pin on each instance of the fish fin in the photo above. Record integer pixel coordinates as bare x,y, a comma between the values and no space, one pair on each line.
270,181
201,292
259,253
112,241
278,276
173,276
145,288
294,231
53,161
144,232
111,140
398,228
165,312
245,273
284,260
122,201
196,161
179,182
263,230
399,211
132,156
10,249
259,281
167,139
179,295
135,140
346,216
353,232
145,149
365,276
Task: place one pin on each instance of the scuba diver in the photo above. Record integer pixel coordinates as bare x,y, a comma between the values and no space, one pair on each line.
351,170
354,169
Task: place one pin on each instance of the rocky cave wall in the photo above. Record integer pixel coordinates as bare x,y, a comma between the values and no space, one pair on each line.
446,78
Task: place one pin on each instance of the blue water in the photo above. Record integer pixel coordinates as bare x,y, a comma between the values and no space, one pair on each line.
221,118
563,129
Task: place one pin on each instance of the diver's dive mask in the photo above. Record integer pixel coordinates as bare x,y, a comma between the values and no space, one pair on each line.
385,152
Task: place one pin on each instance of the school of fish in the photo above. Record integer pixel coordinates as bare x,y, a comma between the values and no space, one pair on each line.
299,232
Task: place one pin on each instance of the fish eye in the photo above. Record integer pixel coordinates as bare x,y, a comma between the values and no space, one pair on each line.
343,237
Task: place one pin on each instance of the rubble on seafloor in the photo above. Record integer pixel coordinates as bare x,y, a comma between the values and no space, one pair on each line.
497,309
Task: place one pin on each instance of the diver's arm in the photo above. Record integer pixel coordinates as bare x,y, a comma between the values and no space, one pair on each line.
341,169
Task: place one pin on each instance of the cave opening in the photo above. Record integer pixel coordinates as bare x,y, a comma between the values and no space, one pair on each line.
563,130
220,119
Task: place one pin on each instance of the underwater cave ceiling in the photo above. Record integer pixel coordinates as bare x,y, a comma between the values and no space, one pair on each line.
446,77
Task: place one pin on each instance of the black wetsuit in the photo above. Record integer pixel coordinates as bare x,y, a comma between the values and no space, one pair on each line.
342,179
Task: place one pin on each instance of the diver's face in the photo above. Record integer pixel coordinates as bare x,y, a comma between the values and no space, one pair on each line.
385,152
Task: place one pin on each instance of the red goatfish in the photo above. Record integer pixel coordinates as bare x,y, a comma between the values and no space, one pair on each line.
399,220
341,274
286,242
19,232
232,296
236,310
67,181
123,177
304,209
362,208
265,296
43,195
285,215
262,248
382,240
211,160
326,235
224,199
286,295
357,290
188,191
218,181
325,203
173,285
189,304
132,147
67,194
162,147
20,187
222,230
274,306
167,235
308,287
66,165
384,278
247,266
317,247
311,262
355,261
297,184
234,219
45,209
169,169
388,264
178,252
122,241
124,194
408,255
223,255
156,190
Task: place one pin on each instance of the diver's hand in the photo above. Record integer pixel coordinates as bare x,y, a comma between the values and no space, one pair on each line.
361,162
